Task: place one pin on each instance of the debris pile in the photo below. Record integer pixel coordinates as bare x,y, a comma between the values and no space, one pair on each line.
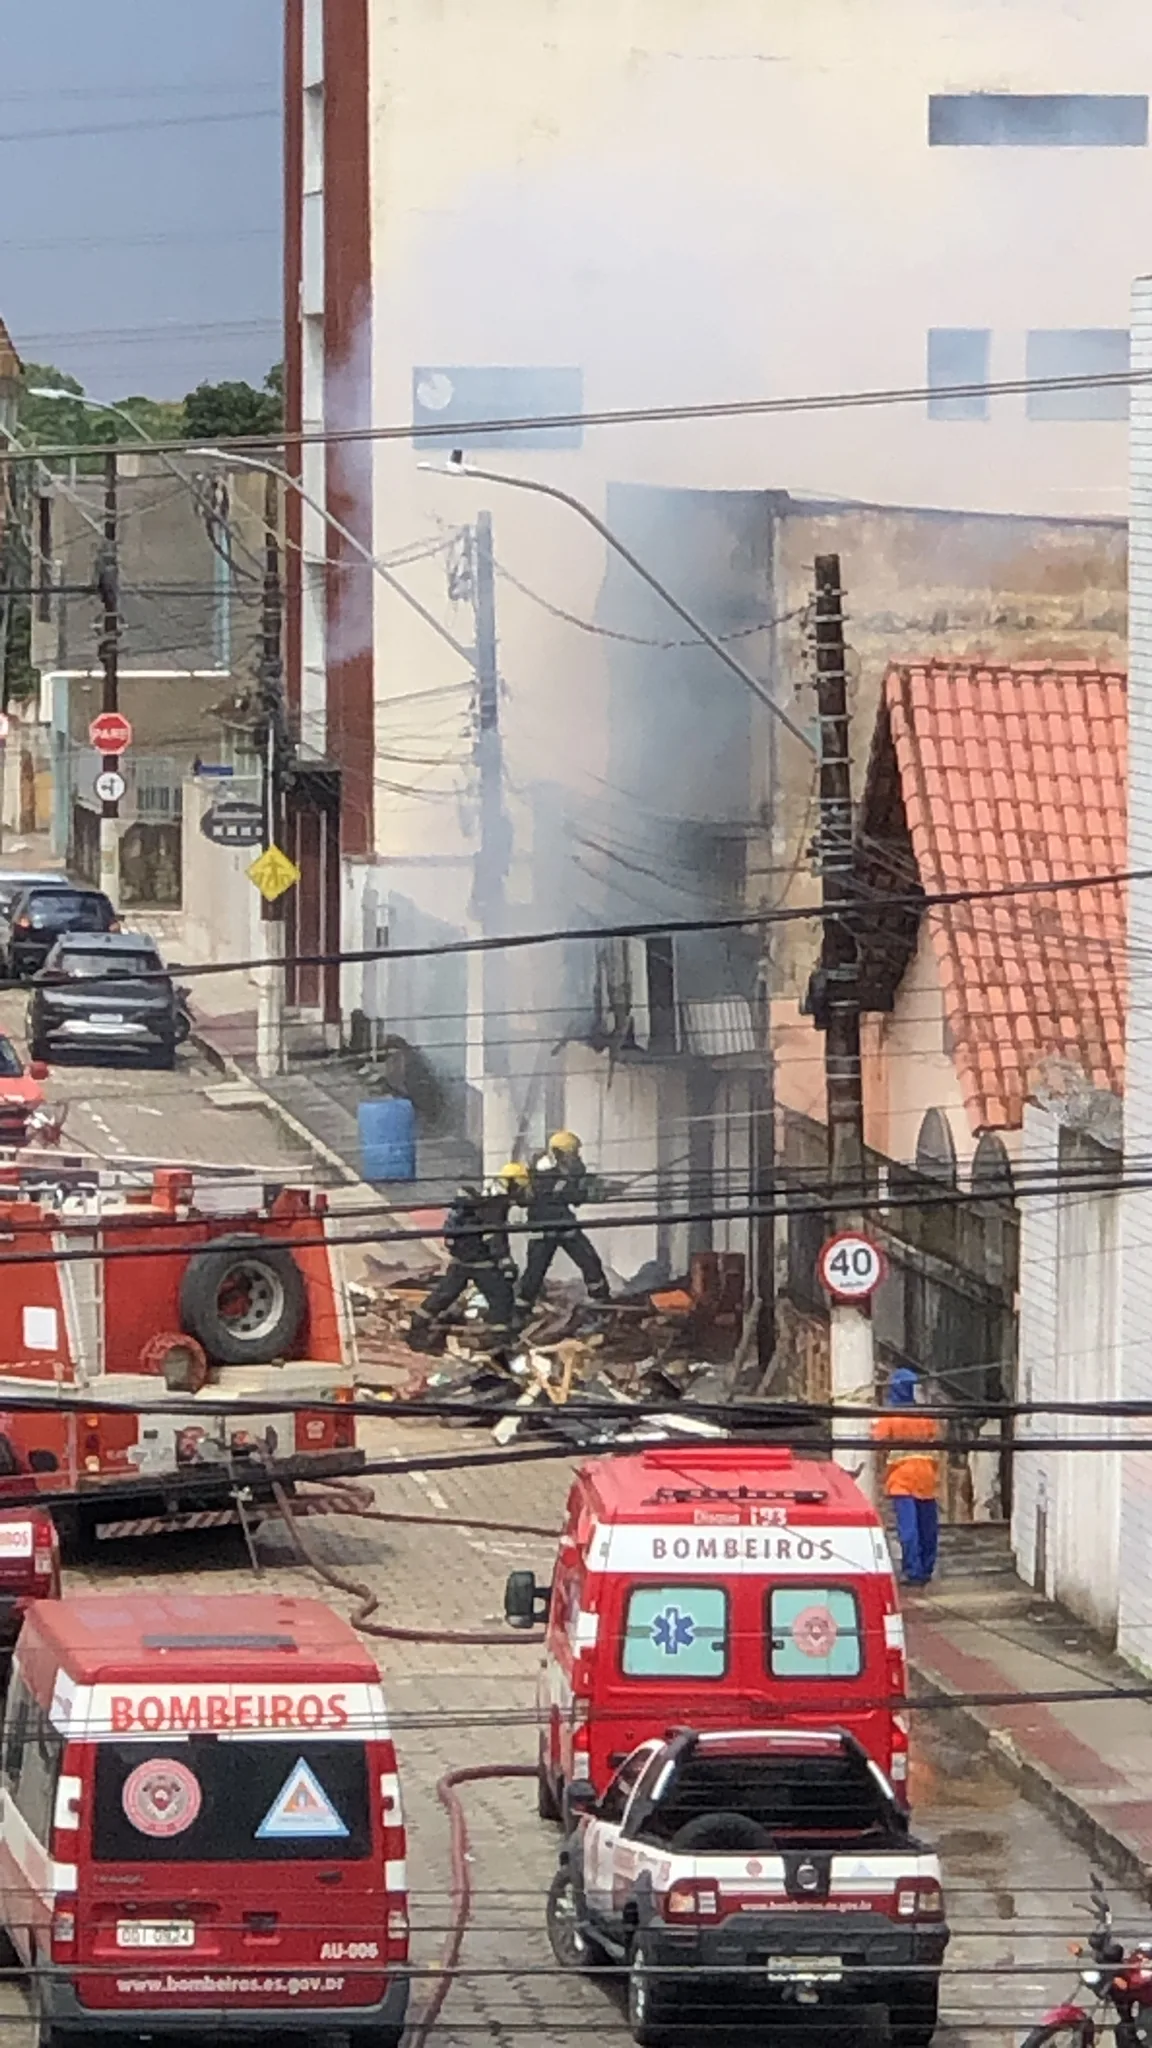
573,1358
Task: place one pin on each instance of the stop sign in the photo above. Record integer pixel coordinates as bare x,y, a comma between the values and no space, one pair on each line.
110,733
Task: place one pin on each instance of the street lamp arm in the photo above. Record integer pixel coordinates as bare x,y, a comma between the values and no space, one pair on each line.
273,469
585,512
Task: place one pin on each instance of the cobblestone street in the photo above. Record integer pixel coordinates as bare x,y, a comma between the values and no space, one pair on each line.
1016,1886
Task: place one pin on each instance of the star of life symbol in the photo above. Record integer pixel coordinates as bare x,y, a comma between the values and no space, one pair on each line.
673,1631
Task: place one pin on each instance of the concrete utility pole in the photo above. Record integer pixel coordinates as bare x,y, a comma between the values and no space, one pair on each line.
486,991
270,989
835,996
108,585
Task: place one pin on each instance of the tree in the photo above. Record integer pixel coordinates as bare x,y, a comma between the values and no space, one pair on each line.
231,410
69,423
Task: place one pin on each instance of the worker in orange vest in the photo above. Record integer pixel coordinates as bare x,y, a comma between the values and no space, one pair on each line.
913,1475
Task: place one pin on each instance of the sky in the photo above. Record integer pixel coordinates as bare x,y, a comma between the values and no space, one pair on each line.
144,257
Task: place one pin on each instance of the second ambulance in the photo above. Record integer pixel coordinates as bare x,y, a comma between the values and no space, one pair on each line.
724,1585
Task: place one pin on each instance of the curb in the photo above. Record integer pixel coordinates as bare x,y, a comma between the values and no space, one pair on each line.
233,1071
1109,1847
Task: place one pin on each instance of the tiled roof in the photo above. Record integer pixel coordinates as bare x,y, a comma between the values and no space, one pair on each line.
1019,774
9,360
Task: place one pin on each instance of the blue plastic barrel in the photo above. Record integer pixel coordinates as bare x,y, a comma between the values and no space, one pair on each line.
387,1129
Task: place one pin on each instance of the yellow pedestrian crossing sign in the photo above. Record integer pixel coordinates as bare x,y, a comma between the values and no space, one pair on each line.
273,873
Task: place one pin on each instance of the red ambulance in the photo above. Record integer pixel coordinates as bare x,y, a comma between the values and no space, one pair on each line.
200,1821
712,1586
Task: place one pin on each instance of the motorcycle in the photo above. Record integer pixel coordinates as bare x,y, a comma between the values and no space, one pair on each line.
1119,1979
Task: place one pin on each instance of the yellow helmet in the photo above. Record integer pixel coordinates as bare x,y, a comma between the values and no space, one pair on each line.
515,1174
563,1141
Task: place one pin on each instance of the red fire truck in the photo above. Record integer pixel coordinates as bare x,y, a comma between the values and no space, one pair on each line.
215,1302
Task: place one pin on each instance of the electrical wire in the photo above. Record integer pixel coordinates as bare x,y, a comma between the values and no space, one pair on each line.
454,433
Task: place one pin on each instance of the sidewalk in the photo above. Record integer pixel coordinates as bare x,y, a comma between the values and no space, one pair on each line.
1088,1763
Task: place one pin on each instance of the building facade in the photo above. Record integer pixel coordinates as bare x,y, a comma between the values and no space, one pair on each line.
504,221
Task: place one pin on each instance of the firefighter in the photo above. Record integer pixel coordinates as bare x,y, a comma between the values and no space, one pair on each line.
559,1182
476,1234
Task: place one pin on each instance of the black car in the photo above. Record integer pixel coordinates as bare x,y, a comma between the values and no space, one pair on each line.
42,913
103,992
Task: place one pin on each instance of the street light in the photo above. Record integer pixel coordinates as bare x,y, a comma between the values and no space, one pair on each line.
353,540
456,467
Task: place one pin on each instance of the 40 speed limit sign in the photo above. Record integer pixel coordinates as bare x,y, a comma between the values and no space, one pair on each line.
851,1267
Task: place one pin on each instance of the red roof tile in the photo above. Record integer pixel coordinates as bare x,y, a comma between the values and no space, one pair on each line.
1033,787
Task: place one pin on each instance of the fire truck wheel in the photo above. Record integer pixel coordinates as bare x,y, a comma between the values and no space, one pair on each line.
244,1300
547,1804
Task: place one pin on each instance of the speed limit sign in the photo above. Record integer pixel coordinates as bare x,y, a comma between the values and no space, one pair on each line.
851,1267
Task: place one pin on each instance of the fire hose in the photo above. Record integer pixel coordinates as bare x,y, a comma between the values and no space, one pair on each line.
353,1498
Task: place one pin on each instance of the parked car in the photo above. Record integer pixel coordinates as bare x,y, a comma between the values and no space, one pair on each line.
772,1865
14,881
103,992
21,1096
36,918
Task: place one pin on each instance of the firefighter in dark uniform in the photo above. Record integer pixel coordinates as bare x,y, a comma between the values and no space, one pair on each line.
559,1182
476,1234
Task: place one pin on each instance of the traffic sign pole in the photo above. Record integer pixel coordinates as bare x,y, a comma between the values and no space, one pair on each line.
108,583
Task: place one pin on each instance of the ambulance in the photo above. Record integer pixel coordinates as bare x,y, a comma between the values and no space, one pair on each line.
201,1829
713,1586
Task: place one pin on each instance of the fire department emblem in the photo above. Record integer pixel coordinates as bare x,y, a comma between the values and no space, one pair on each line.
161,1798
814,1632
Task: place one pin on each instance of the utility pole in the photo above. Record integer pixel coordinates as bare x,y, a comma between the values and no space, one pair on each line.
108,586
270,988
488,893
834,997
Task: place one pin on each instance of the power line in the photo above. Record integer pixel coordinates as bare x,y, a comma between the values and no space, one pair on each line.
453,433
139,124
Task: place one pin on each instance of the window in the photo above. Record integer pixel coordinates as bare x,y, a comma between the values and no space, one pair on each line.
1038,120
119,966
676,1632
935,1149
243,1813
11,1065
624,1784
814,1632
958,355
32,1752
461,396
1078,352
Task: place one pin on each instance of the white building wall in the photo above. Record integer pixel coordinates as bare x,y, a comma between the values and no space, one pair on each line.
1135,1633
1066,1505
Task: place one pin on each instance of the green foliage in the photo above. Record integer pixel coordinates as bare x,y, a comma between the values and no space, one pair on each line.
216,412
64,422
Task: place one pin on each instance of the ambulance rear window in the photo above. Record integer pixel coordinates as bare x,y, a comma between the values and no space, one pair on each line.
678,1631
209,1800
814,1632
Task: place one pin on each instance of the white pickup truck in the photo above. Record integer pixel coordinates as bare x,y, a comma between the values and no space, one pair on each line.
752,1869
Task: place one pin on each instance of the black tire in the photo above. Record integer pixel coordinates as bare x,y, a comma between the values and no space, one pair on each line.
268,1326
650,2001
38,1049
572,1947
375,2037
912,2022
163,1057
719,1833
547,1804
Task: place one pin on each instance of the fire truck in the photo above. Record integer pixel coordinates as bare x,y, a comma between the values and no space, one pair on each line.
172,1345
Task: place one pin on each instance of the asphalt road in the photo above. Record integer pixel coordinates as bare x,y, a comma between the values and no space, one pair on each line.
119,1110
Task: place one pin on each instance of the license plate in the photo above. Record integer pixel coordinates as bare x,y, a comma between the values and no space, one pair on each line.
155,1934
789,1969
111,1017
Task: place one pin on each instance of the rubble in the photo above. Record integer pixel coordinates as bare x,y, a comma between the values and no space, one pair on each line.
572,1356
